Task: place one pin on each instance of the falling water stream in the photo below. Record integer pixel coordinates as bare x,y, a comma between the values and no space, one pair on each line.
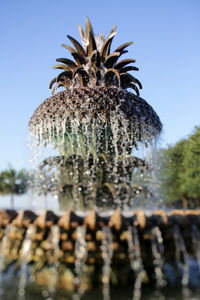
54,239
25,257
181,249
3,252
157,249
80,259
196,241
135,261
107,253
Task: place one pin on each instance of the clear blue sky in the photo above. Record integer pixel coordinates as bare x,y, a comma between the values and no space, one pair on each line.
166,35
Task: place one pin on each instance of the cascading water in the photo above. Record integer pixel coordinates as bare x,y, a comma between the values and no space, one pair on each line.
93,168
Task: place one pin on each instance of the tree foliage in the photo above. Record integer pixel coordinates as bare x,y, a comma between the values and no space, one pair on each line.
191,164
13,182
179,170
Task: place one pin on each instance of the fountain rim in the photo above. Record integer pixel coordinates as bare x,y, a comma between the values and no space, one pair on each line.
115,219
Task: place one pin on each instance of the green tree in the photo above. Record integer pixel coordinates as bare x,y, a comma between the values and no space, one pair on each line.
179,170
170,171
13,182
191,163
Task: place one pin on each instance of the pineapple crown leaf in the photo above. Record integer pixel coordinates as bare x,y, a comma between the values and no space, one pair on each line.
94,64
68,48
78,46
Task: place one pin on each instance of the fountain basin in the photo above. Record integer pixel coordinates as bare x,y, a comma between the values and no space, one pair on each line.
160,247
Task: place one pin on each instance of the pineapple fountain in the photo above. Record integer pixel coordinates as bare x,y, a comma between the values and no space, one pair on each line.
97,240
